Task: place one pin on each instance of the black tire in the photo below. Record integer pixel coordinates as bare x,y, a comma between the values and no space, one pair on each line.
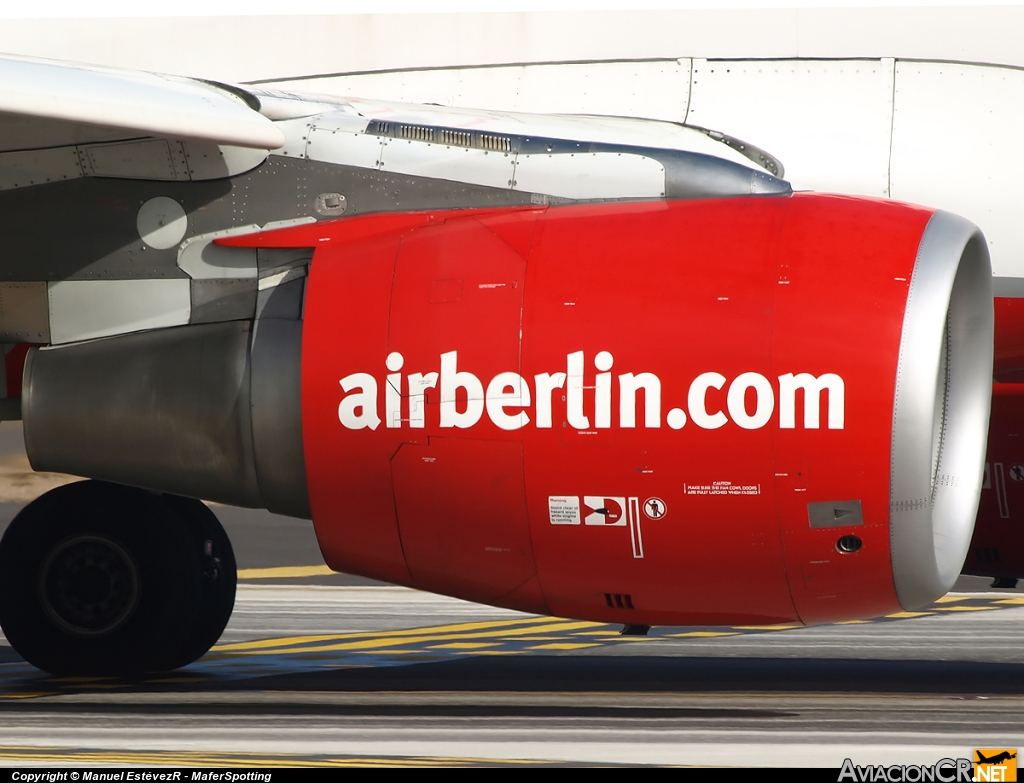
99,579
219,580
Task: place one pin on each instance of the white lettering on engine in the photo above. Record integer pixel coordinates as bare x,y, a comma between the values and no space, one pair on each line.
508,400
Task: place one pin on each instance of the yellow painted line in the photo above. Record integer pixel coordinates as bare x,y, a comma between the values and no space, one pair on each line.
966,608
596,633
705,633
853,622
414,651
154,758
1010,601
464,645
562,646
384,642
948,599
284,572
904,615
288,641
194,758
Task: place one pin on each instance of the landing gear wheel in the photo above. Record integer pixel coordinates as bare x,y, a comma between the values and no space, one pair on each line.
219,576
100,579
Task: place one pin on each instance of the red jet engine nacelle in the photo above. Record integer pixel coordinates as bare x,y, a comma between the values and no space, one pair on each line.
733,411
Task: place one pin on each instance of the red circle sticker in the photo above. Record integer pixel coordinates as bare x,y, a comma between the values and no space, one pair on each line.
655,508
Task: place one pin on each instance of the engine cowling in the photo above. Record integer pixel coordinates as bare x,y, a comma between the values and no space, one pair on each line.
750,410
659,413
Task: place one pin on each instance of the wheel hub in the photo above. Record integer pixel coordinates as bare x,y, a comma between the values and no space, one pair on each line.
89,585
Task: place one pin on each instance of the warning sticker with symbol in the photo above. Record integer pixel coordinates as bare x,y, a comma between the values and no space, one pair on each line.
654,508
610,512
604,511
1017,472
564,509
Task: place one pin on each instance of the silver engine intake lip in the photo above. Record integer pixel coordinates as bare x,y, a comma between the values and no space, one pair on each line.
941,409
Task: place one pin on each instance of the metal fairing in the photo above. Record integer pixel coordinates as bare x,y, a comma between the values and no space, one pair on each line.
145,210
684,174
209,411
148,410
277,412
86,228
641,453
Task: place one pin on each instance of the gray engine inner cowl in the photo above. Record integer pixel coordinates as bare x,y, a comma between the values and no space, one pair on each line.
210,411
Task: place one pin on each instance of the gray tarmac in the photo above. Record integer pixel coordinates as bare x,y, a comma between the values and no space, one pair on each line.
388,676
328,670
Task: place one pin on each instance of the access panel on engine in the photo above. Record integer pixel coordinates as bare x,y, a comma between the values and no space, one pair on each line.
462,513
454,334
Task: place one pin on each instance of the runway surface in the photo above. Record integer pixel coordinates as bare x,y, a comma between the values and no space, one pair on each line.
389,676
318,669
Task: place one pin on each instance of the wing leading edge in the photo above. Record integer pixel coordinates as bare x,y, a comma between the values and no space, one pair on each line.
48,103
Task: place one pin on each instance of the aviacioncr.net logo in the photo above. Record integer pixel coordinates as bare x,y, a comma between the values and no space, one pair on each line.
995,764
942,771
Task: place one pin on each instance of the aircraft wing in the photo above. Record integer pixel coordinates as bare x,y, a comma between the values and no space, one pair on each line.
48,103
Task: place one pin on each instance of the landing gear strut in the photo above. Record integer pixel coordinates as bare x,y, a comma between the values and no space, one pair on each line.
101,579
